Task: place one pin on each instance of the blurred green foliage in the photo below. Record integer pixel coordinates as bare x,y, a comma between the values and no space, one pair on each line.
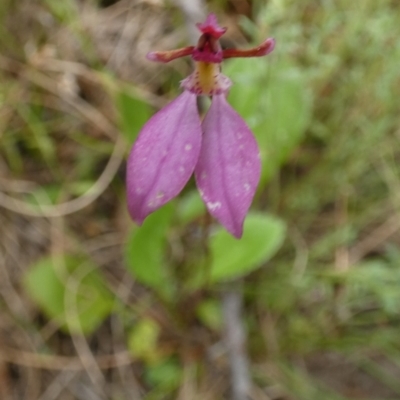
134,113
146,252
70,291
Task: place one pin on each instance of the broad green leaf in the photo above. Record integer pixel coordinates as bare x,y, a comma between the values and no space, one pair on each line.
275,102
142,341
232,258
49,282
145,250
134,113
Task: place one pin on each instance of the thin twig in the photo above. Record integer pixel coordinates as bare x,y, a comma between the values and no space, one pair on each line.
59,383
56,362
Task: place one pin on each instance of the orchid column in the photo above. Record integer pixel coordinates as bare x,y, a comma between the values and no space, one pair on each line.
221,150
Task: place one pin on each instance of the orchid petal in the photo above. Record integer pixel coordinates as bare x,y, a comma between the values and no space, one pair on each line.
262,50
228,169
210,26
163,157
167,56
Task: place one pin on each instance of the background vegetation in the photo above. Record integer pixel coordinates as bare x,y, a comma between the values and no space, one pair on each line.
93,307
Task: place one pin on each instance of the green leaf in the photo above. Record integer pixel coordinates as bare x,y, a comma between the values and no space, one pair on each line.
145,250
232,258
134,113
209,312
142,341
50,282
276,105
166,375
78,188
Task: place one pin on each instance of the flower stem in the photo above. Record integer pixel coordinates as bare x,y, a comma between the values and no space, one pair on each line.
235,341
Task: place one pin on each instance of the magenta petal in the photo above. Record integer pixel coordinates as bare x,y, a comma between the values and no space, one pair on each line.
228,169
163,157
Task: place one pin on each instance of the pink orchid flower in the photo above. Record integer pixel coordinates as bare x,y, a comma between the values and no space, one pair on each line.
221,149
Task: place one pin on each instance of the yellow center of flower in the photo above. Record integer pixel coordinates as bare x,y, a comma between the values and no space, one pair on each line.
207,76
207,80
